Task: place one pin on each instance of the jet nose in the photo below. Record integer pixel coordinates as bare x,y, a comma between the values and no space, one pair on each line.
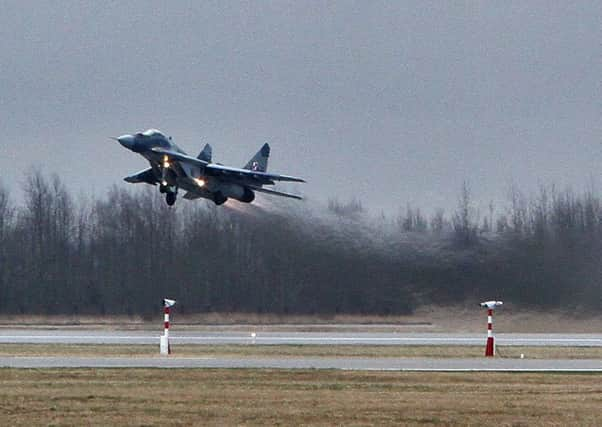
127,141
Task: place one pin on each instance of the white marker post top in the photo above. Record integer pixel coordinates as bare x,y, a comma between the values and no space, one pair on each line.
491,304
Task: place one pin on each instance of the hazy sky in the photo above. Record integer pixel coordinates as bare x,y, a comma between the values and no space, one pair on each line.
393,102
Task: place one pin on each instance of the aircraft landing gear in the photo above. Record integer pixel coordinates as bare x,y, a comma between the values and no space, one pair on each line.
219,198
170,198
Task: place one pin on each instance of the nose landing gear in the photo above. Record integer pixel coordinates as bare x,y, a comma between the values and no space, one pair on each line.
171,193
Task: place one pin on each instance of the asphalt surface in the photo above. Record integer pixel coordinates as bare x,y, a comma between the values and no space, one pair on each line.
367,364
217,336
87,336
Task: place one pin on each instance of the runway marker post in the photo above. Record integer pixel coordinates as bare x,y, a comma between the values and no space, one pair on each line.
490,346
164,347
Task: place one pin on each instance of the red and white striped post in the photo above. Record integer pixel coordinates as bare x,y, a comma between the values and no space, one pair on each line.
490,347
165,348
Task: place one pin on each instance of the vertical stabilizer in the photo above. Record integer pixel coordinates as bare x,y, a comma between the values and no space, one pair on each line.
259,162
206,153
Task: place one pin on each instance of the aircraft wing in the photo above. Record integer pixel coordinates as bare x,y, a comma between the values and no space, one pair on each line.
180,157
227,171
274,192
146,175
246,173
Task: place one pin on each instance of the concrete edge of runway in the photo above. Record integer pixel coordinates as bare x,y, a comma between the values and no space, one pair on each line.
297,338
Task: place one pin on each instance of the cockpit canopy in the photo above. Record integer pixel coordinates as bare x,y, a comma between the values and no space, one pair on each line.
152,133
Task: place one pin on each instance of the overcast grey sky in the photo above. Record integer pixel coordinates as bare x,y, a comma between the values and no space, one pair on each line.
393,102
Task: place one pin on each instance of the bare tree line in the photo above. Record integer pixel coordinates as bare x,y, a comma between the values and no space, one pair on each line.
123,252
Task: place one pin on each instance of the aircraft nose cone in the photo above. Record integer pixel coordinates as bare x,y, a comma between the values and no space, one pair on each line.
127,141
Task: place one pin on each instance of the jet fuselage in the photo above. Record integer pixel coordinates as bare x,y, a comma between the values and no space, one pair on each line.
173,169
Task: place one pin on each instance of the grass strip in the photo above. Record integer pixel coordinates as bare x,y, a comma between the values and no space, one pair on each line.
407,351
137,397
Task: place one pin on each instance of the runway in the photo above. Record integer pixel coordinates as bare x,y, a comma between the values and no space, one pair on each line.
349,363
244,336
103,336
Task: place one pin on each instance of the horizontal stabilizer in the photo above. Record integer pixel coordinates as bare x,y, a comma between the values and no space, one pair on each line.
146,175
285,178
274,192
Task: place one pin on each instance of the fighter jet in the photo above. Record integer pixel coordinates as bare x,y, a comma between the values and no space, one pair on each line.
172,169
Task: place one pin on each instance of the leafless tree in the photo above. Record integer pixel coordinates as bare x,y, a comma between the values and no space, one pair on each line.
123,252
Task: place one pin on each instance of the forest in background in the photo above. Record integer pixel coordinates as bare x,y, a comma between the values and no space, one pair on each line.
123,252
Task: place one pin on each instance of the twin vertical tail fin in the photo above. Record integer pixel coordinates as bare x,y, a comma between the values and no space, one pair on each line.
259,162
206,154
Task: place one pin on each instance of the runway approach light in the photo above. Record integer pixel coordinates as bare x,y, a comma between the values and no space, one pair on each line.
490,346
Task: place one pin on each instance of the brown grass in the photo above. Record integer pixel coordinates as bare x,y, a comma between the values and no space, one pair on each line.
139,397
469,318
298,351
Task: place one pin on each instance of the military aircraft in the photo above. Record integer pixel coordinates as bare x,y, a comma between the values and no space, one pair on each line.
173,169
